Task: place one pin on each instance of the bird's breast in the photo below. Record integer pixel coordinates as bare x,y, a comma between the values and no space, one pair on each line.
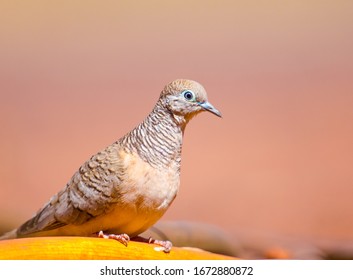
150,188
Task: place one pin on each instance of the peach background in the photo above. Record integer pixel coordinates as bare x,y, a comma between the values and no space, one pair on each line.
77,75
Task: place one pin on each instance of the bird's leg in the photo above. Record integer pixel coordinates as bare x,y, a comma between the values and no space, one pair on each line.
164,245
122,238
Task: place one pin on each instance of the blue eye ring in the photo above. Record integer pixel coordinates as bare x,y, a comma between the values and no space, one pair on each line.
189,95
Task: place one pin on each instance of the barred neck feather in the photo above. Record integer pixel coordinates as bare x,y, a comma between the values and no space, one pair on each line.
158,139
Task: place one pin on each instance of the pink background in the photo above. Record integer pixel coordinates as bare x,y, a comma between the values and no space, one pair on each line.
77,75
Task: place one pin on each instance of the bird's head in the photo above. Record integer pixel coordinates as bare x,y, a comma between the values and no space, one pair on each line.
186,98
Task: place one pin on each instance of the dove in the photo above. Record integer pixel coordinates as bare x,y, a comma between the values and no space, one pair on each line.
127,187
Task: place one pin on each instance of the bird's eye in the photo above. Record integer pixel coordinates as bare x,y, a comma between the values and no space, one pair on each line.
189,95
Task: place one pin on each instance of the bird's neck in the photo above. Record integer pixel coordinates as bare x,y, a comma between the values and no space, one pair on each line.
158,139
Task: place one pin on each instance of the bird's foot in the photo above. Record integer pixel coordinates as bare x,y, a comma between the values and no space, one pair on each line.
163,245
122,238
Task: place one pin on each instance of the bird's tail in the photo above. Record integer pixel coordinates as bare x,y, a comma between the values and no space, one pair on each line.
9,235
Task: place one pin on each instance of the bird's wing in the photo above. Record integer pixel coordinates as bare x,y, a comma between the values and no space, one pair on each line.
91,192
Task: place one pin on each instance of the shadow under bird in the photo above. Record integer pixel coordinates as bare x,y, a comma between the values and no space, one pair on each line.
124,189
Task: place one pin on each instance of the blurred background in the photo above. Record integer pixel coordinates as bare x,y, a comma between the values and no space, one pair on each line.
275,174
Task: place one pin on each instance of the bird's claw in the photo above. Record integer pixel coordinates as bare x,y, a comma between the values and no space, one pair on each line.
122,238
164,245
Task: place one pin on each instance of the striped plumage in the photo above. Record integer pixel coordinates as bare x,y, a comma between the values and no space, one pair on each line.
157,140
128,186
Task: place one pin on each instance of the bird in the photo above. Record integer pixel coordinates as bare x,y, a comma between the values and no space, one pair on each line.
126,188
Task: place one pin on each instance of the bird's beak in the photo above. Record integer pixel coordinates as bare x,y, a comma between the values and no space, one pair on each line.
209,107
